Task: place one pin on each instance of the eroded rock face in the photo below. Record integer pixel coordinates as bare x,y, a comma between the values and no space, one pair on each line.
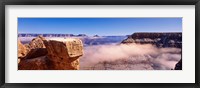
32,50
64,54
39,63
36,43
52,55
33,53
22,51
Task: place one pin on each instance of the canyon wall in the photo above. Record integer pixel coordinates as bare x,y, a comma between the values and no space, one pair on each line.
159,39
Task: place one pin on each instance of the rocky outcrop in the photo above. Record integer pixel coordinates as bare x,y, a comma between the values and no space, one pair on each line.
65,53
27,50
52,55
96,36
39,63
178,65
158,39
22,51
36,43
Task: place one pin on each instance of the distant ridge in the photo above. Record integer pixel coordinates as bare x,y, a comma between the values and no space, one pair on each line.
160,39
48,35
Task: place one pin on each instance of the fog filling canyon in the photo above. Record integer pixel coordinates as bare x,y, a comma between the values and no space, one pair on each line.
129,56
109,53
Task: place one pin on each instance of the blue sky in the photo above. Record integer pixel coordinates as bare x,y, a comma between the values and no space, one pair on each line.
99,26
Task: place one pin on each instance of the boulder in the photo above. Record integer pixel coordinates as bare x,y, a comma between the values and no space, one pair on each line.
35,48
52,54
64,54
36,43
22,51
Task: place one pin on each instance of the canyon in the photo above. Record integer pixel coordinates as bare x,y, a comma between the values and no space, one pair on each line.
66,51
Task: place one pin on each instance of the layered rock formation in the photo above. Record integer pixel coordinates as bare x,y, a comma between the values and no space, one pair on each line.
158,39
52,54
49,35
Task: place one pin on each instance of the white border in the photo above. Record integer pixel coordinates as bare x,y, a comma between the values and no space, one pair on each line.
187,75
